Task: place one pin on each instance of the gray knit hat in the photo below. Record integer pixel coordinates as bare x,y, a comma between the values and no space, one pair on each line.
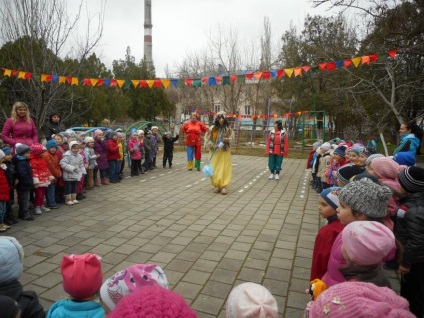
372,157
366,197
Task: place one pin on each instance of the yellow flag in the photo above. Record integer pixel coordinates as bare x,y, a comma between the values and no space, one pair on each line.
43,77
75,81
21,75
7,72
289,71
135,83
356,61
62,80
150,83
165,82
120,83
94,81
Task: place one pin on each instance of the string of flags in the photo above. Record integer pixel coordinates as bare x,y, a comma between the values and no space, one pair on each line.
263,116
203,81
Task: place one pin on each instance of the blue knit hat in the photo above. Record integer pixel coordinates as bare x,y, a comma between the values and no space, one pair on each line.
51,143
402,158
331,195
11,257
7,151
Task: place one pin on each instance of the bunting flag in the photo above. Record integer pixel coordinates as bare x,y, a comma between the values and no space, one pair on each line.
298,71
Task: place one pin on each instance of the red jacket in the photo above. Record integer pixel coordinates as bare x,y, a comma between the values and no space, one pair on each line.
40,171
53,163
113,150
20,132
194,131
275,145
4,186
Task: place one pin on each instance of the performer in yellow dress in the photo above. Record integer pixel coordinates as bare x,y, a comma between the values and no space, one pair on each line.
219,138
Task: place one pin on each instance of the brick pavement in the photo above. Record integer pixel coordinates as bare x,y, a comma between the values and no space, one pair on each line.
262,231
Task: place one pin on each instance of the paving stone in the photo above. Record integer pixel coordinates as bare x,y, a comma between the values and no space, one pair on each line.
196,277
48,281
217,289
223,276
41,268
297,300
239,255
250,274
208,304
230,264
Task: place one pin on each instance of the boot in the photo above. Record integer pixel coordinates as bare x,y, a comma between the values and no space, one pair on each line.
10,218
96,182
190,165
104,181
90,182
197,164
68,200
74,198
28,216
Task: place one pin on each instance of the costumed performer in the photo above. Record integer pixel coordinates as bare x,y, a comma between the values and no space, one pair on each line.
277,147
194,129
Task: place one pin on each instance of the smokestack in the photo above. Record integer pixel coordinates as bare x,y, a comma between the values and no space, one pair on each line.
148,34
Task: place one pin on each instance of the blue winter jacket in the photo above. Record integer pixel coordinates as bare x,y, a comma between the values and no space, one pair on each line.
67,308
408,143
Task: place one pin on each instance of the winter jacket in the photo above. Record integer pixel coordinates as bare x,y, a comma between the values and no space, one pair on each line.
100,148
410,229
67,308
193,131
27,300
40,171
367,274
112,150
134,149
315,165
168,143
20,132
23,173
52,128
121,149
277,143
10,173
53,163
4,185
154,144
69,162
147,146
91,155
408,142
324,166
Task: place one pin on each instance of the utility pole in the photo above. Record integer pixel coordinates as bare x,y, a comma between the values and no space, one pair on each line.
148,44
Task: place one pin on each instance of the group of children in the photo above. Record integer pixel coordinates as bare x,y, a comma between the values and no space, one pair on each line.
374,207
69,164
140,290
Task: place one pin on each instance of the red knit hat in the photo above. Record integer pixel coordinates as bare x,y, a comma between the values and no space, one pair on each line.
37,149
82,275
153,302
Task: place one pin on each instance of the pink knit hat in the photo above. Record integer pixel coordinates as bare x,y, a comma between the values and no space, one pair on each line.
98,132
250,300
359,300
82,275
126,281
152,302
386,167
367,242
37,149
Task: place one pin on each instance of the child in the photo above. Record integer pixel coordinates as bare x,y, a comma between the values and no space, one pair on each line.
128,280
316,172
313,154
10,175
251,300
62,147
143,154
364,245
405,158
80,185
4,193
122,150
346,173
135,154
92,163
100,148
325,152
354,153
327,208
11,258
53,163
73,169
41,175
147,165
113,157
361,200
82,277
155,140
337,160
153,302
409,231
25,181
359,300
168,148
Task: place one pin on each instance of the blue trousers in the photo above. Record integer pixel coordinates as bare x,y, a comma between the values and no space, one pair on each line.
2,211
274,163
50,195
114,167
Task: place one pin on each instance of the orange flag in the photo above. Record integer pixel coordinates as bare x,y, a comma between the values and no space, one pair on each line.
44,77
297,71
306,68
365,60
258,75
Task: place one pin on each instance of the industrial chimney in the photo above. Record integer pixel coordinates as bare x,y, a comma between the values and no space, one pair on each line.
148,34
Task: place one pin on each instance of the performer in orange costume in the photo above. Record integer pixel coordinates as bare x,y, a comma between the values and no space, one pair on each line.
194,128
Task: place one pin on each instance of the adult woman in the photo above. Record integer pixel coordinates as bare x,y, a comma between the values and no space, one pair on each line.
218,140
277,147
54,126
20,128
194,129
410,138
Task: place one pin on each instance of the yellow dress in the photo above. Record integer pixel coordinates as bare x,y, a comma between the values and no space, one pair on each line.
221,161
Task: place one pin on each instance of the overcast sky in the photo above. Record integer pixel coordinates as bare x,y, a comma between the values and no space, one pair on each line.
181,26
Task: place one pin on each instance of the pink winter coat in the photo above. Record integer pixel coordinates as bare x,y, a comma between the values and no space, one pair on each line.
134,148
20,132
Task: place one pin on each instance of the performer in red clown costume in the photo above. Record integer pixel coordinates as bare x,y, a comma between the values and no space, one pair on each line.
194,129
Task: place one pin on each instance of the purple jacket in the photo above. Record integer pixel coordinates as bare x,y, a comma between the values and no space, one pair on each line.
100,148
154,141
21,132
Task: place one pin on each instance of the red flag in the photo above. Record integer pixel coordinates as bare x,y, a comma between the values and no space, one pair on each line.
281,73
347,63
266,75
157,83
306,68
86,82
189,82
28,75
144,84
249,76
374,57
100,82
331,66
233,78
392,53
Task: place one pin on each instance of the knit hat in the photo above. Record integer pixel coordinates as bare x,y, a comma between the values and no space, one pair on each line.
326,146
367,242
130,279
249,300
134,134
37,149
366,197
279,121
149,132
82,275
88,139
21,149
140,132
365,175
9,307
359,300
345,173
51,144
340,150
153,302
168,133
72,143
372,157
155,127
386,168
98,132
11,258
331,195
2,154
403,158
7,151
357,149
412,179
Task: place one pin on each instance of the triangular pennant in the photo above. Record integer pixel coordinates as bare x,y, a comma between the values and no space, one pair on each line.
150,83
273,73
55,78
143,84
347,63
226,80
233,78
258,75
21,75
165,82
289,71
382,58
135,83
74,81
100,82
249,76
69,80
157,84
94,81
127,85
392,53
323,66
374,57
43,77
113,83
107,82
365,60
14,72
86,82
339,64
218,79
306,68
62,80
120,83
189,82
356,61
28,75
197,82
297,71
266,75
212,81
281,73
204,80
331,66
174,82
7,72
